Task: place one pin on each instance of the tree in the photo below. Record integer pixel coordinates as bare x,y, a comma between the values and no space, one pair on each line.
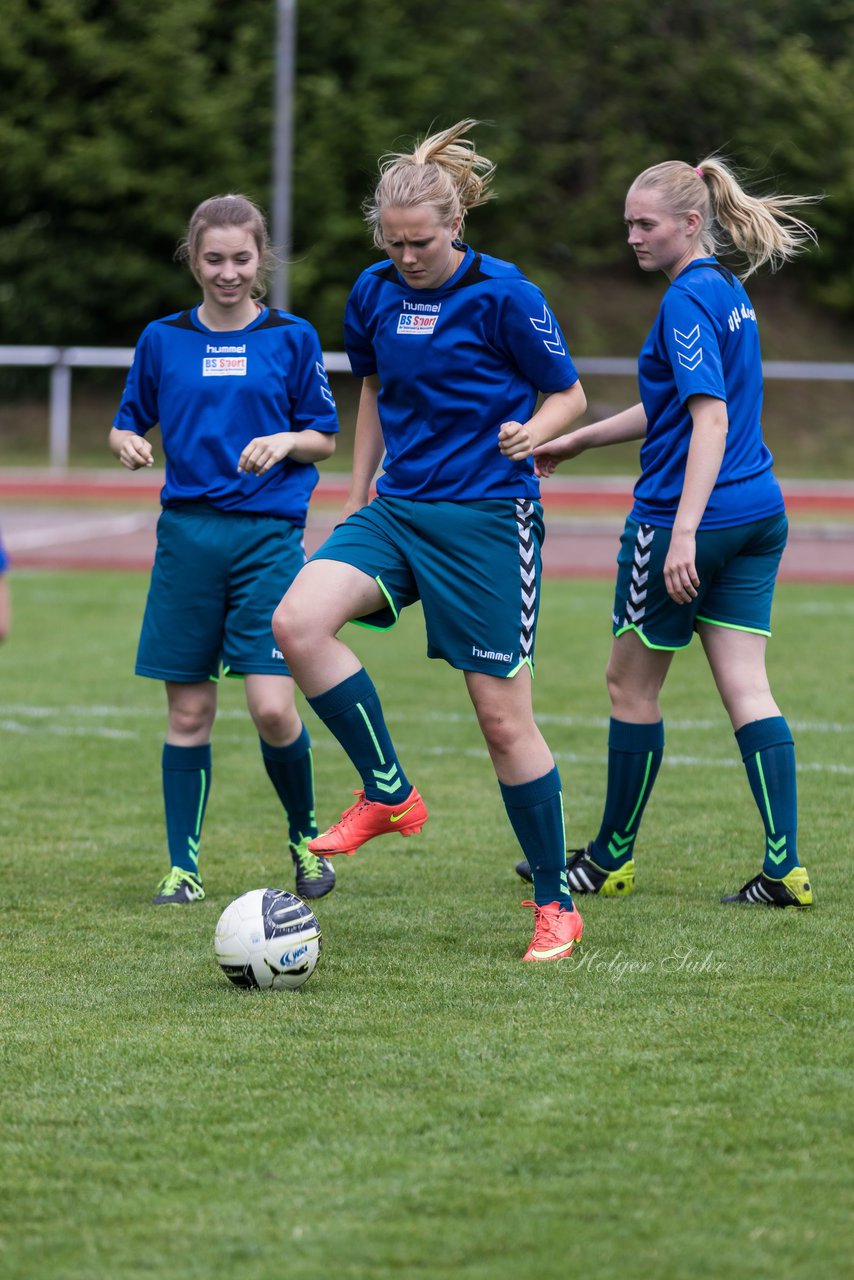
116,119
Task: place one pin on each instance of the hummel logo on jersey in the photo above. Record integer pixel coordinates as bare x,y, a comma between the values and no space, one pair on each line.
688,340
324,379
693,353
547,325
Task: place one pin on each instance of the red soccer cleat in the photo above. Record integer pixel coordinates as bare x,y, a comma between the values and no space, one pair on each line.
368,818
556,931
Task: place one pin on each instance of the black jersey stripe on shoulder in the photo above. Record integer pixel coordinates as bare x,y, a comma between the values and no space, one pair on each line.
274,320
473,275
183,321
712,266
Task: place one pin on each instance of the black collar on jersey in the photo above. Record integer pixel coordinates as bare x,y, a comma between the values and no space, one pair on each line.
272,320
472,275
714,266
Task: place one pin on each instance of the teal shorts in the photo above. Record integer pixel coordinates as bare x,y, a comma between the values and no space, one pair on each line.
475,567
217,579
737,568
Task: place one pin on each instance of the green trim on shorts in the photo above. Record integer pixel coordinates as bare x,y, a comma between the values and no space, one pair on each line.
375,626
524,662
667,648
734,626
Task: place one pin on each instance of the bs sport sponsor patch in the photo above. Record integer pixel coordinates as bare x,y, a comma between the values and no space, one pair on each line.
220,362
418,317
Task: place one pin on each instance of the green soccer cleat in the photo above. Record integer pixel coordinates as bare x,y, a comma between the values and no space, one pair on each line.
178,889
584,876
792,891
315,875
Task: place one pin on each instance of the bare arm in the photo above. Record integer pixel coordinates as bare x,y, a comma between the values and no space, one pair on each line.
517,440
630,424
705,454
5,607
368,446
264,452
132,451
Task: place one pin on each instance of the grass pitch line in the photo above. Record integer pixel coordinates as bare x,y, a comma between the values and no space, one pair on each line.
40,711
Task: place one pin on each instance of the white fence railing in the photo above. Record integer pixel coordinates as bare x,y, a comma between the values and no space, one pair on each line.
61,361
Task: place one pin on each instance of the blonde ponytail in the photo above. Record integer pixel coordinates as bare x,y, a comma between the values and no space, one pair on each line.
444,171
759,227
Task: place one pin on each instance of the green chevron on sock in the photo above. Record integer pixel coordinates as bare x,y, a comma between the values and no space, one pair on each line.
776,850
768,753
619,846
388,782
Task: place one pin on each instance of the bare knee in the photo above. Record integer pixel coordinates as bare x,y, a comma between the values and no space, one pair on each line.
277,725
499,735
634,690
295,627
192,709
283,624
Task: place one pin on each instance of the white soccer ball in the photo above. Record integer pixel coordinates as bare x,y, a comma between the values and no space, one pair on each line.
268,938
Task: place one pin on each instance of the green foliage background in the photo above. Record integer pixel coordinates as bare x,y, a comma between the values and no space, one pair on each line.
116,118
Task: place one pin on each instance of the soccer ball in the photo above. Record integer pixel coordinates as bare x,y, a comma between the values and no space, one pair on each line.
268,938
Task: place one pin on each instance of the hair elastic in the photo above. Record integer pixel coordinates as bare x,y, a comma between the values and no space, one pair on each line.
699,173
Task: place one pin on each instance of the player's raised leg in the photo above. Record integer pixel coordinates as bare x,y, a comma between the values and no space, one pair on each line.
325,595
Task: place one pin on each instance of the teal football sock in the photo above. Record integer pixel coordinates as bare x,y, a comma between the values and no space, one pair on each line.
634,758
291,771
535,810
352,712
186,786
768,751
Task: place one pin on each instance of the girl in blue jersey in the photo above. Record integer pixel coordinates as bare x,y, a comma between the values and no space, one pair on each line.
245,411
704,539
453,348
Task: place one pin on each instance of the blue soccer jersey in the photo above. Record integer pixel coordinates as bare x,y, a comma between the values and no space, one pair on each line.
212,392
454,363
705,342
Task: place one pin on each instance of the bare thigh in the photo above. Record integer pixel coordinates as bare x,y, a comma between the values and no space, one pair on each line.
516,746
635,675
737,660
324,596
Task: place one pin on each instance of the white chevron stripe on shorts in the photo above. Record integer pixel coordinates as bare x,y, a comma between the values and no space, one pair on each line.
528,573
638,588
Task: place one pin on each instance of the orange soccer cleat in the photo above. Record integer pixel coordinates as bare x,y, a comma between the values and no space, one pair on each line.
368,818
556,931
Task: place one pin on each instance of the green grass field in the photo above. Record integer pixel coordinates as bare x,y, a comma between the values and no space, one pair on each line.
674,1103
